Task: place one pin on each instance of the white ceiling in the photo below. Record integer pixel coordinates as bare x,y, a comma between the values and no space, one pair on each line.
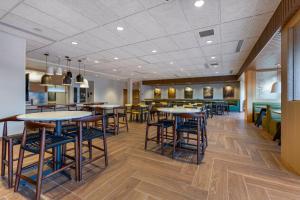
169,27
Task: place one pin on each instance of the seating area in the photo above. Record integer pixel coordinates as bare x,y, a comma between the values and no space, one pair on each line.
149,99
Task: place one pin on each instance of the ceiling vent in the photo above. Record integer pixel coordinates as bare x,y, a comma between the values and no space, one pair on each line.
206,66
207,33
239,46
231,71
214,64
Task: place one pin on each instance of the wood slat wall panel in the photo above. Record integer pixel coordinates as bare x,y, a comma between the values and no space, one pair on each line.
284,12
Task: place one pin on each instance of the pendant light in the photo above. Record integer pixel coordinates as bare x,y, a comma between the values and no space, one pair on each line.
67,81
46,79
69,73
79,77
85,83
59,70
276,87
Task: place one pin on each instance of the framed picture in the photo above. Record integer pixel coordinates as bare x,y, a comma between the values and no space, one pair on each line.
51,96
228,92
171,93
157,93
188,93
208,93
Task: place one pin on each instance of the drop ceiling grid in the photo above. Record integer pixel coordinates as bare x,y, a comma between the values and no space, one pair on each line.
171,38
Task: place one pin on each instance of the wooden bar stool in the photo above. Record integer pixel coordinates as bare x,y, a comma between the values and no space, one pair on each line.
8,143
40,145
121,113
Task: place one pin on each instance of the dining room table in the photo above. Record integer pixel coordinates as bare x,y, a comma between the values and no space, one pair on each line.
58,117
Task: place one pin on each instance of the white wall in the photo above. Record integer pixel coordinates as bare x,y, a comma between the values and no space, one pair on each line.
12,78
147,91
106,90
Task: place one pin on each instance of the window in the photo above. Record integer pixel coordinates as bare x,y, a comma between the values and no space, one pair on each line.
294,64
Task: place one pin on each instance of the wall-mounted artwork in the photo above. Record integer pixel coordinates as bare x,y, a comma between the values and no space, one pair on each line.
208,93
157,93
171,93
188,93
228,92
264,82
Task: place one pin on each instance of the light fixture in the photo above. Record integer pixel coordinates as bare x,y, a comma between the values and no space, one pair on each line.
114,70
69,73
171,63
139,66
199,3
213,57
96,61
116,58
154,51
74,43
209,41
46,79
120,28
217,72
67,81
79,77
276,86
50,71
58,70
85,83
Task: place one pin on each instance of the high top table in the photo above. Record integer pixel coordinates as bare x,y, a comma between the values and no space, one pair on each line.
58,117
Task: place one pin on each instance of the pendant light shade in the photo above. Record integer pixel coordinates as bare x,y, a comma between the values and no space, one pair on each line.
85,84
67,81
79,77
59,71
276,86
46,80
69,73
50,71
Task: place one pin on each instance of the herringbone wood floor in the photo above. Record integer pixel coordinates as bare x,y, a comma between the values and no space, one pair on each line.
240,163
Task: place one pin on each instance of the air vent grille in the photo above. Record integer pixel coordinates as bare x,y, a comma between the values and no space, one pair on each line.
239,46
207,33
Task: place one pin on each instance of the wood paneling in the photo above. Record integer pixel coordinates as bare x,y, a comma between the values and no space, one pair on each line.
182,81
284,12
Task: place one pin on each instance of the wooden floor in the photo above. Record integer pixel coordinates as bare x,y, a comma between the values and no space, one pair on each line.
240,163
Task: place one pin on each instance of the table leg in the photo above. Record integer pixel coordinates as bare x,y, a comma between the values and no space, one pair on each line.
58,157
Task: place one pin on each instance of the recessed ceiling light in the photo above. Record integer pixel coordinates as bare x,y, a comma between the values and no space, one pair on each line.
217,72
171,63
209,42
213,57
139,66
96,61
199,3
154,51
74,42
120,28
116,58
114,70
155,72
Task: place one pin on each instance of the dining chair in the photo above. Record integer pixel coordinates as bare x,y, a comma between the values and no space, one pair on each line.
88,132
40,145
161,125
121,118
191,124
8,143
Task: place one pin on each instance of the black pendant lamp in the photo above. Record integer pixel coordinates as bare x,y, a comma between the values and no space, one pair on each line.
67,81
79,77
46,79
69,73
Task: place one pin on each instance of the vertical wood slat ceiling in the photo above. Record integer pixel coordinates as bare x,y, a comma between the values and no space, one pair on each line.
285,10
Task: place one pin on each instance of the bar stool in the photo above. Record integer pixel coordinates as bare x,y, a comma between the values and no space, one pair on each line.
8,143
88,132
40,145
121,113
191,124
160,124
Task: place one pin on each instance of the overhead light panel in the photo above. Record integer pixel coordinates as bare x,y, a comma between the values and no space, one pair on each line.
239,46
199,3
207,33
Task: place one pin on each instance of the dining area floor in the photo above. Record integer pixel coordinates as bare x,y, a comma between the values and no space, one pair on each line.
241,162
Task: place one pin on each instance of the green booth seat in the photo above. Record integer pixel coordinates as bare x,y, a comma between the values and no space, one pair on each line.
257,107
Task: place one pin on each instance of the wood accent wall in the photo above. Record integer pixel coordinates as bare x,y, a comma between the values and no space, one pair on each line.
197,80
284,12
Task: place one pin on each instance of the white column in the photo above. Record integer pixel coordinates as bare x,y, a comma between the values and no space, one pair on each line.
12,79
129,90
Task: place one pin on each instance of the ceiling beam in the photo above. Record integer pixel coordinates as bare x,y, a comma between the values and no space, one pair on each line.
284,12
196,80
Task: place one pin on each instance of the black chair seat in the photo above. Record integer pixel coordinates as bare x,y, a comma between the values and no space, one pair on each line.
17,138
67,128
162,123
89,133
33,144
110,115
122,115
187,128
